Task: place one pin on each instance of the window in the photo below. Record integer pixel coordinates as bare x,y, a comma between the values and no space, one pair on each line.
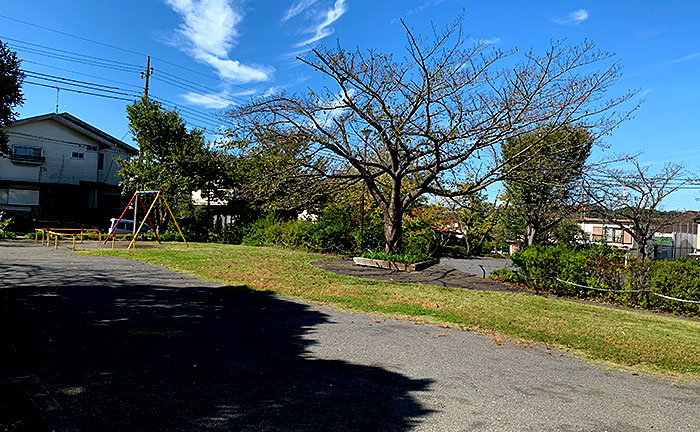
25,154
100,161
77,155
617,235
597,233
91,148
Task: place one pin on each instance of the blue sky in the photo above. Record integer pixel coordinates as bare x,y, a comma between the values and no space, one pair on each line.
225,51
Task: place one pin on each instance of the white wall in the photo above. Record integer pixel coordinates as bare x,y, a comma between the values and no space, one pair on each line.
60,166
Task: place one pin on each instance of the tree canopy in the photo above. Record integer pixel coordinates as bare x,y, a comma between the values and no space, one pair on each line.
171,157
11,78
432,122
542,193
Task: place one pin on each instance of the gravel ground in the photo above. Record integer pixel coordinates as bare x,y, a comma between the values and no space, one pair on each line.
472,265
123,345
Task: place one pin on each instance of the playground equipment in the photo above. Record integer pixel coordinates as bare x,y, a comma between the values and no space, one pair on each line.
47,233
135,199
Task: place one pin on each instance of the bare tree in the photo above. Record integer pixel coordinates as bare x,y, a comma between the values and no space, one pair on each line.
631,199
432,122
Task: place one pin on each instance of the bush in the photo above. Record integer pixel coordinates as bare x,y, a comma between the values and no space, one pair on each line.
505,275
7,235
328,234
678,278
5,227
545,267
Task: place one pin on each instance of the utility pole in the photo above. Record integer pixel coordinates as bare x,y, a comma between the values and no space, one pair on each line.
146,75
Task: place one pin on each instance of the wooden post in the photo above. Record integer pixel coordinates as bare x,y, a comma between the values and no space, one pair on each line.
74,241
56,241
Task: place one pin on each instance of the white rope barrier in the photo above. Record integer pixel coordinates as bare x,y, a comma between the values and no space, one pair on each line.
628,291
598,289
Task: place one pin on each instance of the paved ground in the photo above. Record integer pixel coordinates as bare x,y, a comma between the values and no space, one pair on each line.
437,274
474,265
123,345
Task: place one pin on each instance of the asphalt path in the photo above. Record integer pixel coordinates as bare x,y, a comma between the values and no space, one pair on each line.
124,345
477,265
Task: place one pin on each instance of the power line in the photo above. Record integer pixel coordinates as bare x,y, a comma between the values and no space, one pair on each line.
45,138
81,73
78,91
69,79
210,121
70,35
75,60
116,48
70,52
66,81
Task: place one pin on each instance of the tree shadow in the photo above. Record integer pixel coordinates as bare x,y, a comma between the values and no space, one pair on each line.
168,358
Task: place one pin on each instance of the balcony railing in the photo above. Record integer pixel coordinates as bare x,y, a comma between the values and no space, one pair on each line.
27,159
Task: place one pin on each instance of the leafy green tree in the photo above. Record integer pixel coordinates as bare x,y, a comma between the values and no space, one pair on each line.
544,193
477,219
11,78
171,158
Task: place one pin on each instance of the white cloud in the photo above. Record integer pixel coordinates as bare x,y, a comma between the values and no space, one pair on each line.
685,58
492,41
298,7
324,28
217,101
208,32
242,93
271,91
576,17
235,71
426,5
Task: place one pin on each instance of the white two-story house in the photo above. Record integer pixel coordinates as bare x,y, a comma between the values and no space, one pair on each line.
61,170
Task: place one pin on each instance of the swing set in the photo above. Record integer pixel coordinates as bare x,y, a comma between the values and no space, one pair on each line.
135,199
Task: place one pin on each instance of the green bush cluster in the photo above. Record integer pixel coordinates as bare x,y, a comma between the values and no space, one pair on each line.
678,278
327,234
545,267
5,230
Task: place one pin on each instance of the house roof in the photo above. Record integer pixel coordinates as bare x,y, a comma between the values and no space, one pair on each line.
601,220
80,126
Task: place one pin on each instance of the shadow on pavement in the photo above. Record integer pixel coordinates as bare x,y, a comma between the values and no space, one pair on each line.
168,358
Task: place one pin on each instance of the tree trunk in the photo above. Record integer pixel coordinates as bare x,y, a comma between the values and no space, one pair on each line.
393,219
393,232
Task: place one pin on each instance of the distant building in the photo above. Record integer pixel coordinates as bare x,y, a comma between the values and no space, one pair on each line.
61,170
678,240
603,230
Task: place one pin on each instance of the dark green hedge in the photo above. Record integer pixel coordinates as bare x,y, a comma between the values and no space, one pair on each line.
544,268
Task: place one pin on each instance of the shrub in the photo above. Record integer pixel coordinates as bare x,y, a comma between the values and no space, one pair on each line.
549,268
5,232
505,275
262,232
7,235
678,278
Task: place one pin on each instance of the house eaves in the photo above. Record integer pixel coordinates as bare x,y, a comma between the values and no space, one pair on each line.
82,127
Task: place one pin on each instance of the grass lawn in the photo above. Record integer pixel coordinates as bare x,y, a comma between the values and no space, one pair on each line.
635,341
